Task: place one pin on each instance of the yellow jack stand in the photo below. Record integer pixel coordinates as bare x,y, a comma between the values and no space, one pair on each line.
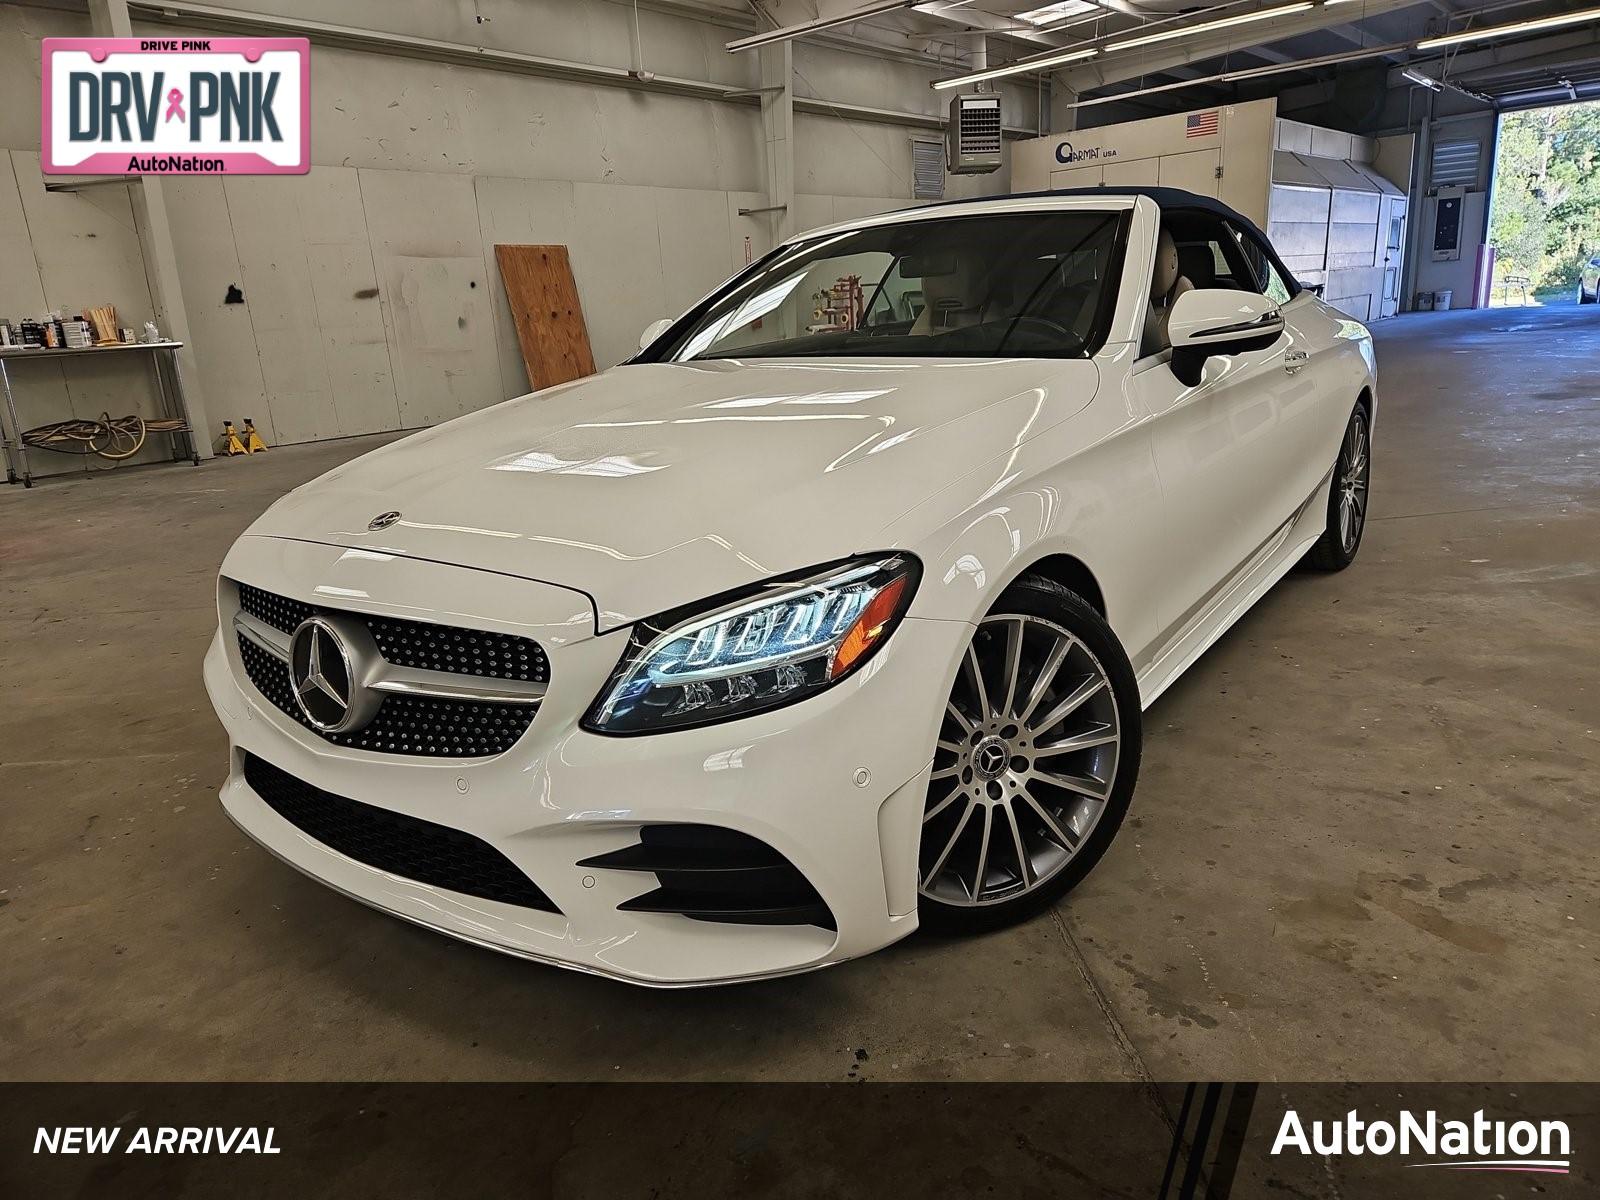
229,443
252,439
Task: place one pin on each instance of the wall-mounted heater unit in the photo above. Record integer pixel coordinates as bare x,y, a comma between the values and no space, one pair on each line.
972,141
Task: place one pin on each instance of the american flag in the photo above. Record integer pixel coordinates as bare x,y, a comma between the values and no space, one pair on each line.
1201,124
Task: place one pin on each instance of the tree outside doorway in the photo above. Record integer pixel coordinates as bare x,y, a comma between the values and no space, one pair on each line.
1544,217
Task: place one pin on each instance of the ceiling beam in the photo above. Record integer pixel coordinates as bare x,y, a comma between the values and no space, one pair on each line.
1565,48
1267,54
1351,35
1113,67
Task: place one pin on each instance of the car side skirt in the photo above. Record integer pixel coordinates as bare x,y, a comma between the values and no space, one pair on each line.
1195,632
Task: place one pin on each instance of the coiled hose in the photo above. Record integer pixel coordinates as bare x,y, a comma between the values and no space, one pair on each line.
113,438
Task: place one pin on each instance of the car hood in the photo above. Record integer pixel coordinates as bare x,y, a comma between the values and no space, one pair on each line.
655,485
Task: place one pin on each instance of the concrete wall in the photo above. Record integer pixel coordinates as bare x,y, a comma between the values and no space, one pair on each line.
1457,275
372,299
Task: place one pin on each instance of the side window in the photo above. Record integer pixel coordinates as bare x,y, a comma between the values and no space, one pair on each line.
1267,280
1209,256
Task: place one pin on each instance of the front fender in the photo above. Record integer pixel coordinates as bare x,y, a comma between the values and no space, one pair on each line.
1085,488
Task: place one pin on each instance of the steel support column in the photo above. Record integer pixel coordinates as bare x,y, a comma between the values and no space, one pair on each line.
777,132
109,18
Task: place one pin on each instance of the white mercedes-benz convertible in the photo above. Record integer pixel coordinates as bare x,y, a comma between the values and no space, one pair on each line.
831,613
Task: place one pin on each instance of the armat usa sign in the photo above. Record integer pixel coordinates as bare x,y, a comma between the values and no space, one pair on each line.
170,106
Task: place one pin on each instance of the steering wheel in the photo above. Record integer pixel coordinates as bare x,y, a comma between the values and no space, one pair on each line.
1056,331
1052,326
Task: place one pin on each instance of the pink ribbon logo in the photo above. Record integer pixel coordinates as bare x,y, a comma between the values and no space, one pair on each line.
175,105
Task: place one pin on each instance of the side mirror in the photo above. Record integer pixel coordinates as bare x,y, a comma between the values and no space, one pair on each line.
654,330
1212,321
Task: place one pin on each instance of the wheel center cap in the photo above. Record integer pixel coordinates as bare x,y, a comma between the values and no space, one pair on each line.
990,756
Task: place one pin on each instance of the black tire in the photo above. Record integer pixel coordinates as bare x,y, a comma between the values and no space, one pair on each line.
1336,549
1584,297
1041,612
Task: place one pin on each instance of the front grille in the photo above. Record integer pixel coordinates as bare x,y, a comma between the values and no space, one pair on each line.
715,874
389,841
403,724
419,725
418,643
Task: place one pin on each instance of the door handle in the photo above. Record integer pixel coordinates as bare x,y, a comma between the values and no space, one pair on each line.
1293,361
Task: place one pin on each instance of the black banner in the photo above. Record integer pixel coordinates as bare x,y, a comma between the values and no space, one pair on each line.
1125,1142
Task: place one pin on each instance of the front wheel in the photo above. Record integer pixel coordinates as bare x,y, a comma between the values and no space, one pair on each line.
1584,297
1036,761
1347,498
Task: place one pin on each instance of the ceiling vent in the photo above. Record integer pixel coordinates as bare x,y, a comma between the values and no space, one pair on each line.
973,137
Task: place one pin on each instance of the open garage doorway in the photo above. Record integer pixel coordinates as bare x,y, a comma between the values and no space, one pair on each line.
1544,214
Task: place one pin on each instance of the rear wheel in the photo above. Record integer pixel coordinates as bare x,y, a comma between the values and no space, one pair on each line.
1347,498
1584,297
1036,761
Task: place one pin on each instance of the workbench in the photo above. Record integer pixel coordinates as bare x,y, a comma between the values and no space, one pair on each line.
174,404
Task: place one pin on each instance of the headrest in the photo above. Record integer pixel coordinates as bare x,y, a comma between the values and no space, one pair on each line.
1196,264
1166,272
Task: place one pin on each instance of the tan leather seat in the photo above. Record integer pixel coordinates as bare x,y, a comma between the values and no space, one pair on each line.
1166,285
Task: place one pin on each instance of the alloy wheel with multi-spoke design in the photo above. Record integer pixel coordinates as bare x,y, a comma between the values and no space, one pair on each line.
1354,468
1025,765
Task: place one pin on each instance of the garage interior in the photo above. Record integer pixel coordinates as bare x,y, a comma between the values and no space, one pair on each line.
1362,844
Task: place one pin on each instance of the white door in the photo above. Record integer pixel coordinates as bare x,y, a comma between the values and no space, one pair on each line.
1194,172
1392,254
1221,449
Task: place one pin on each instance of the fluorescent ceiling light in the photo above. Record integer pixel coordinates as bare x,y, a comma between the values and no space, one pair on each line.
1055,12
1498,31
1421,80
1045,61
788,32
1016,68
1167,35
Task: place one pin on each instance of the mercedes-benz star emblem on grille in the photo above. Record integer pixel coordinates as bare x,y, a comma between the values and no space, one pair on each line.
324,676
383,520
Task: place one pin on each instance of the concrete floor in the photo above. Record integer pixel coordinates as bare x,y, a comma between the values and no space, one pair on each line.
1364,844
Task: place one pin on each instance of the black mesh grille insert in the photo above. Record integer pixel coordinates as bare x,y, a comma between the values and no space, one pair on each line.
404,724
418,643
393,842
280,612
410,724
715,874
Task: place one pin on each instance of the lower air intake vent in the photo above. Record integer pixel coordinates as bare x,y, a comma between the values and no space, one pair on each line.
393,842
715,874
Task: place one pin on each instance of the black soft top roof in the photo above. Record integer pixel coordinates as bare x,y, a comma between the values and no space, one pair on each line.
1165,197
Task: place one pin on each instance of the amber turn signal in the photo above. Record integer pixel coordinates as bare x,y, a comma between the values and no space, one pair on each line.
868,627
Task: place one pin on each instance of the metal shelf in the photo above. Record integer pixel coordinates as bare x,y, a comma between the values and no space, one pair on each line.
174,402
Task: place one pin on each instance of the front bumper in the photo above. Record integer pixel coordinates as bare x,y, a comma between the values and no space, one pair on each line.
835,784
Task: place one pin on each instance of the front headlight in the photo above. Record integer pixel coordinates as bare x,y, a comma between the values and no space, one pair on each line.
787,640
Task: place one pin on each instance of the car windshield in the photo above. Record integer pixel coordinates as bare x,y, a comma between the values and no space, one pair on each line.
1015,285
